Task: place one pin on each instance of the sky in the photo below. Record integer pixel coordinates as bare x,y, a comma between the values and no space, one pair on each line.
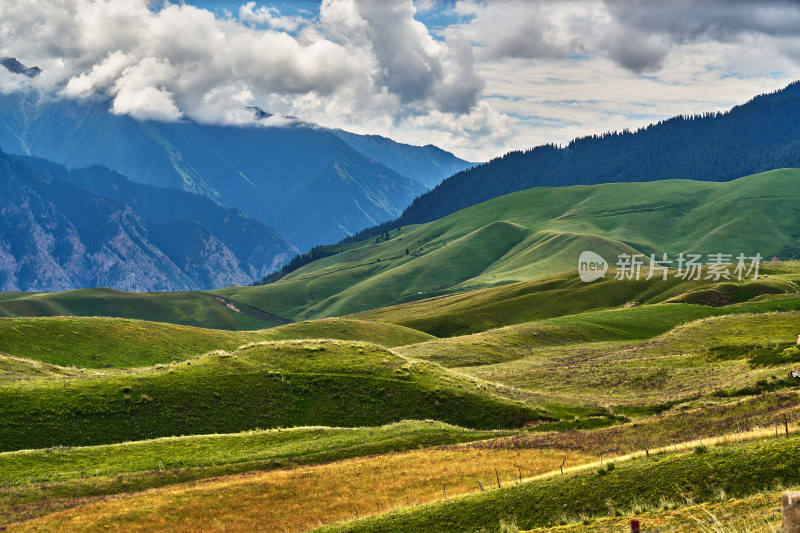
476,77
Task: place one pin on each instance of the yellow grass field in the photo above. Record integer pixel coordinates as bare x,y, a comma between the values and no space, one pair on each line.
757,514
302,498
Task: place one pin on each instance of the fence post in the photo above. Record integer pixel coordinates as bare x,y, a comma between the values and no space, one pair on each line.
791,512
635,527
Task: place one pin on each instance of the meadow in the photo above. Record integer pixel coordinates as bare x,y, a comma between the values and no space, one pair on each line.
469,381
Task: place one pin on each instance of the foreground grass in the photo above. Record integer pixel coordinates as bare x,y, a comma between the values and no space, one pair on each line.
35,482
348,488
760,513
303,498
698,476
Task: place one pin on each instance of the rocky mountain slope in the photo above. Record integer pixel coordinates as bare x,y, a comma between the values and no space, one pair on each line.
57,234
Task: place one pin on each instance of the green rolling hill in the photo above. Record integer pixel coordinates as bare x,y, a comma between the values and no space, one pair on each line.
267,385
540,232
529,235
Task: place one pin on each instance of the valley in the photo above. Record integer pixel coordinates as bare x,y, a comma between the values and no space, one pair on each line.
102,407
222,310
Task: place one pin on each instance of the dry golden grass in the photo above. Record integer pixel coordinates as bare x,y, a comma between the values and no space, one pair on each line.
302,498
756,514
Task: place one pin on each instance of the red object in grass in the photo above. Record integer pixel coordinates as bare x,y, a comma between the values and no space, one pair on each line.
635,527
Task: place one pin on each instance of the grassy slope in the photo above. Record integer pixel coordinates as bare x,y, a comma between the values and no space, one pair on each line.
95,342
760,513
285,500
103,342
625,324
304,498
348,329
700,477
284,446
187,308
522,236
543,231
564,294
290,383
712,356
33,483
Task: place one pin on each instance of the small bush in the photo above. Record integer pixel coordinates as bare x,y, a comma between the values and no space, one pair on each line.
701,449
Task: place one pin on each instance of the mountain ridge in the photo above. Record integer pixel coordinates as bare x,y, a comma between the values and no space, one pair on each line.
57,235
760,135
306,182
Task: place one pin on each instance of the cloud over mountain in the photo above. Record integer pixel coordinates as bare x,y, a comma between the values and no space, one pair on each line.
177,60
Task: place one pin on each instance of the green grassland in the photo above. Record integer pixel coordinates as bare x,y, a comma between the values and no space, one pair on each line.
348,329
623,324
539,232
713,356
105,392
110,342
96,342
198,309
564,294
704,474
277,384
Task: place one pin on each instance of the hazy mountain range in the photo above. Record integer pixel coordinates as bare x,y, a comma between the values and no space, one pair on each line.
312,185
63,229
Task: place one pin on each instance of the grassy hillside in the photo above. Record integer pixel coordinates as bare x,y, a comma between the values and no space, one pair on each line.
36,482
110,342
278,384
701,475
96,342
538,232
187,308
720,356
347,329
528,235
622,325
564,294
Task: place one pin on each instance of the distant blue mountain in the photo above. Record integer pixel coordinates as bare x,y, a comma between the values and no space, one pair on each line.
308,183
427,164
67,229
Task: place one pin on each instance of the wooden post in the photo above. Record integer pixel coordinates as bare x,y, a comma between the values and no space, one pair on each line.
786,424
498,477
444,489
791,512
635,526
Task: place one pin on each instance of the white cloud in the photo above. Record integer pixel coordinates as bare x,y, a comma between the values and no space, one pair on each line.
508,74
176,61
269,16
140,91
